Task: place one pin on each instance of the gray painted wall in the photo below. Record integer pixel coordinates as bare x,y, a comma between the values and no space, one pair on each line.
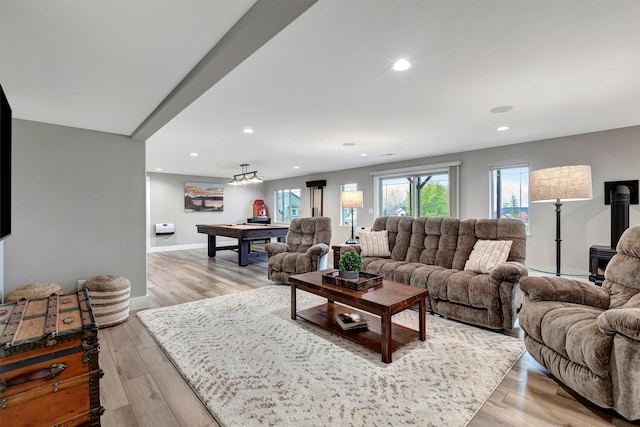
78,207
1,270
613,155
167,206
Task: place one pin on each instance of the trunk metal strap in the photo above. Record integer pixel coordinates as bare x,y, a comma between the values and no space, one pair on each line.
51,325
11,331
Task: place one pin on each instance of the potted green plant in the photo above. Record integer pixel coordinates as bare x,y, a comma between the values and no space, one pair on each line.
350,265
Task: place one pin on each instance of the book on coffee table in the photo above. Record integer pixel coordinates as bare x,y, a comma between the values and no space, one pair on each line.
353,320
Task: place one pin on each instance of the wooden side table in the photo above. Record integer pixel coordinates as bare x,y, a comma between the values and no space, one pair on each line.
336,253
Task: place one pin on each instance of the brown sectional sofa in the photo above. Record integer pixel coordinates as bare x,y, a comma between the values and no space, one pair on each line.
431,253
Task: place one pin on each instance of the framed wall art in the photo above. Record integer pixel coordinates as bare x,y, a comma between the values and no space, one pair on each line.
203,197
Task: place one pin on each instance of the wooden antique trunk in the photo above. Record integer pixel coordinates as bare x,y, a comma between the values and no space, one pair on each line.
49,372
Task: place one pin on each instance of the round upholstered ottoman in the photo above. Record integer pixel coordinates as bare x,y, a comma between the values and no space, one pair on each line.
34,290
109,298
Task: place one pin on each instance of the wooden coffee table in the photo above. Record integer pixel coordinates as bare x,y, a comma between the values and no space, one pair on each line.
384,301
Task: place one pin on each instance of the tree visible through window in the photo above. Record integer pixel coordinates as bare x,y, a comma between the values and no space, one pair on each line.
510,193
418,191
433,195
396,199
424,195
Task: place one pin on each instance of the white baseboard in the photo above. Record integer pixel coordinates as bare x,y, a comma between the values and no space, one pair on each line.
177,247
139,303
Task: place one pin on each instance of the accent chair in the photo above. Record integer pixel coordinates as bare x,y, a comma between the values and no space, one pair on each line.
588,336
306,249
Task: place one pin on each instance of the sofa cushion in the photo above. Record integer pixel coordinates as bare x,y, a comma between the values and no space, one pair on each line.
420,275
577,377
570,330
404,273
381,266
403,238
399,228
306,232
463,287
375,243
291,262
487,254
433,241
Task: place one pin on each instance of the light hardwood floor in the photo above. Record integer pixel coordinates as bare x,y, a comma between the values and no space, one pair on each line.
142,388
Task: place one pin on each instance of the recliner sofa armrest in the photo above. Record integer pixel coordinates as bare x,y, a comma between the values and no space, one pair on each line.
319,249
275,248
508,272
625,321
552,288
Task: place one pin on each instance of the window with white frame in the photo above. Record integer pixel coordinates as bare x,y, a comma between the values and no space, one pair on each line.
510,193
287,203
430,190
345,213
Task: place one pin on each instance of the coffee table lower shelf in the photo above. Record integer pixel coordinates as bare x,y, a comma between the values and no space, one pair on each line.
324,315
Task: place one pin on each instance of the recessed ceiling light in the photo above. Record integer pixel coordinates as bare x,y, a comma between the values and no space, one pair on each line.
501,109
296,167
502,128
349,144
247,130
193,154
401,65
363,154
158,169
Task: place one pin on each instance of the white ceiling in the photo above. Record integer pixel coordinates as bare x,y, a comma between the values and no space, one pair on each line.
567,67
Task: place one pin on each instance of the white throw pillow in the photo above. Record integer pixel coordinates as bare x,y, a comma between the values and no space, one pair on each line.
375,243
486,254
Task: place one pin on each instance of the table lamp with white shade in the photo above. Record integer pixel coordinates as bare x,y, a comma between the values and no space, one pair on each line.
353,200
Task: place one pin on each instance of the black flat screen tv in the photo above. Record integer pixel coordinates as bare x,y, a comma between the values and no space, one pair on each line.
5,166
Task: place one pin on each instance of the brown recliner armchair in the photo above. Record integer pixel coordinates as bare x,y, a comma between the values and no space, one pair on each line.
587,336
306,250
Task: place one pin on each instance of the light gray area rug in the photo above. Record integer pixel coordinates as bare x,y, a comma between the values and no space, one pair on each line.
252,365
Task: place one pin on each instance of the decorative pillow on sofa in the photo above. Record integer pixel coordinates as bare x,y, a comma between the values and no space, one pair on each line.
375,243
486,254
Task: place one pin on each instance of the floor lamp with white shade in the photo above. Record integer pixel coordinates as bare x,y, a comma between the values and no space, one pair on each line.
558,185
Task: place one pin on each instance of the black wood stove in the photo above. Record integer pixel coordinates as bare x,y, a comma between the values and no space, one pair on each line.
618,194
